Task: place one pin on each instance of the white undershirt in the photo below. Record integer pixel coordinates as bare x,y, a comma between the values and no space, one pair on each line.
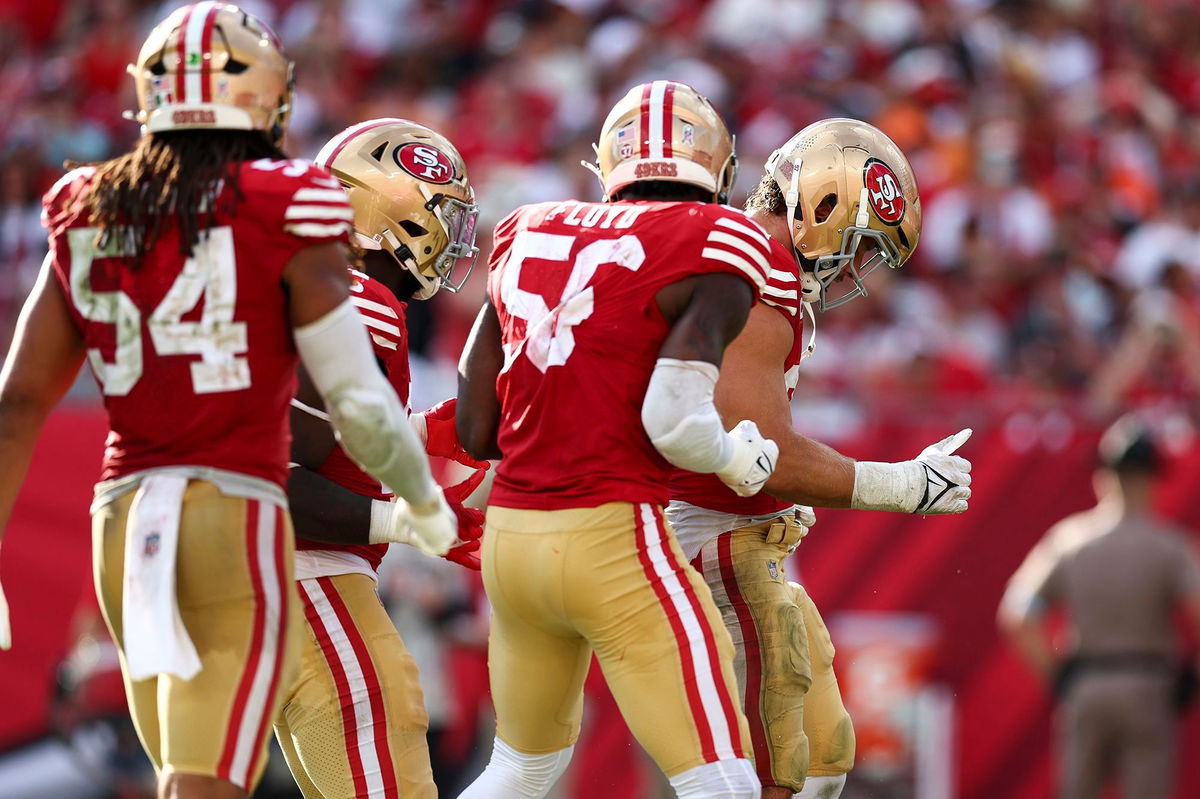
695,526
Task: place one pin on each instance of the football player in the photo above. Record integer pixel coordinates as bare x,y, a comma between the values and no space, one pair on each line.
590,371
353,724
191,272
839,200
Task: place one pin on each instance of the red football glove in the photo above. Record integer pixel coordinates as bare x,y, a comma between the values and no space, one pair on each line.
465,555
470,521
441,439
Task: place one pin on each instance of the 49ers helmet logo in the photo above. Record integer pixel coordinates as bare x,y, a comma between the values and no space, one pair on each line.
883,190
425,162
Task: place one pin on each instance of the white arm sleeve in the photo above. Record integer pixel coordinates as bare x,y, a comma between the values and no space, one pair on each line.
365,412
679,416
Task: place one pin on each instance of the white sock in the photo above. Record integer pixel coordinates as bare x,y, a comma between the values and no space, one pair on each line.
514,775
822,787
724,779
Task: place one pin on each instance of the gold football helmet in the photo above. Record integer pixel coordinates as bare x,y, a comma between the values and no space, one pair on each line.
665,130
411,197
852,204
212,65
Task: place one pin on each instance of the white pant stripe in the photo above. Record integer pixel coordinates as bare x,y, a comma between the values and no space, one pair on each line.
364,720
707,672
264,670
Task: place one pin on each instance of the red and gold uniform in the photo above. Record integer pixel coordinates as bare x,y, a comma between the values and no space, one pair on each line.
577,556
783,653
354,722
195,359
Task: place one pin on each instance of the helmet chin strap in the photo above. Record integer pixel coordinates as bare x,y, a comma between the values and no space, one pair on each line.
811,346
429,286
810,287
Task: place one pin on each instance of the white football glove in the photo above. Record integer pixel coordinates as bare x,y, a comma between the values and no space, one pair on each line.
754,458
5,629
935,482
433,532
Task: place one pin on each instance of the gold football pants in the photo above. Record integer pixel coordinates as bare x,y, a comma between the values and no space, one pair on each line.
612,580
353,724
783,658
235,594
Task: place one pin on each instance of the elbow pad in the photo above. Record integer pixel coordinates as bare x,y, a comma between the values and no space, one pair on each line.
679,416
366,414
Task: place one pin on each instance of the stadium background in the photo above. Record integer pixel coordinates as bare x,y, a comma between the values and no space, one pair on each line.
1055,144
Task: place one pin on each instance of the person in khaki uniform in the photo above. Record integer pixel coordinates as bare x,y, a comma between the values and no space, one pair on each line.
1120,573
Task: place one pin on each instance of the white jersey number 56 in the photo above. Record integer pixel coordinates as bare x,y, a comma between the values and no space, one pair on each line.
549,338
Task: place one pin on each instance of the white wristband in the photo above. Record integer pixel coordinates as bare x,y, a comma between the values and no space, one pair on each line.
381,521
896,487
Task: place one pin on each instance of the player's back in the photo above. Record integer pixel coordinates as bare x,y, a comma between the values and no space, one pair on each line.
194,355
575,287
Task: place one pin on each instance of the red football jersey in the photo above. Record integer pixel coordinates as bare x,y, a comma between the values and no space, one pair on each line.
706,490
383,316
574,285
194,355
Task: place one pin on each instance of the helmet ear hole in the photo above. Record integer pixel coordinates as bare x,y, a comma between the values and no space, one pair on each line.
412,228
158,68
903,237
233,67
825,208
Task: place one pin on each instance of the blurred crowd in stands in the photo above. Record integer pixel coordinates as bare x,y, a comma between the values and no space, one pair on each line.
1055,142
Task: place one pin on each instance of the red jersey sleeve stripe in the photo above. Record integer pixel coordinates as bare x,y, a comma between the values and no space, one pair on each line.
311,195
738,262
319,212
318,230
374,307
745,247
748,229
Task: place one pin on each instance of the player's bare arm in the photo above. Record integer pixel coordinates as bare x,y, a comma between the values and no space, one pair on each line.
707,312
478,418
321,509
752,387
881,228
45,356
370,421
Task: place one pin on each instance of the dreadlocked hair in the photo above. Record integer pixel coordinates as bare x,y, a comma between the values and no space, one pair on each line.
173,177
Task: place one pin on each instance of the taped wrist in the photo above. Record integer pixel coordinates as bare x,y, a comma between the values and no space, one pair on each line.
896,487
679,416
381,521
368,418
